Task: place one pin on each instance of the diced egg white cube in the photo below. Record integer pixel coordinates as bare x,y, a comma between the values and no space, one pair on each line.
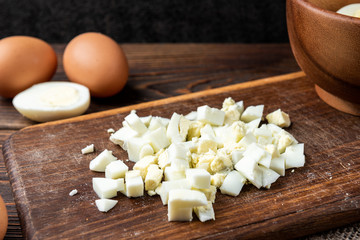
163,159
104,205
135,123
232,114
224,134
210,115
265,160
255,151
120,185
186,198
100,162
278,165
233,183
143,164
252,112
268,176
173,173
236,155
249,168
252,125
177,128
134,186
122,135
105,187
263,131
274,128
272,149
205,213
134,146
116,169
184,126
180,163
248,139
240,105
167,186
132,173
294,156
146,120
177,150
153,177
207,132
198,178
157,138
156,123
192,116
178,155
180,214
146,150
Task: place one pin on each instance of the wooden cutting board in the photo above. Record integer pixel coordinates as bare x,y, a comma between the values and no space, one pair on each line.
45,163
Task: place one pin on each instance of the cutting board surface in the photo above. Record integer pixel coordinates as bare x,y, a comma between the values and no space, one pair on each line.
45,163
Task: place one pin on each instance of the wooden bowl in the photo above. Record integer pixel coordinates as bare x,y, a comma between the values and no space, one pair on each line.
326,46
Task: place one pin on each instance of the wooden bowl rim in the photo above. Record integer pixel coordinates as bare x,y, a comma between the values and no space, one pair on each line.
331,14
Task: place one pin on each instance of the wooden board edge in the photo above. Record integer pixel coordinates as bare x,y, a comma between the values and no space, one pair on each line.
6,148
249,84
16,186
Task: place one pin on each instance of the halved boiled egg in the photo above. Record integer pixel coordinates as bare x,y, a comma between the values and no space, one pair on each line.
352,10
53,100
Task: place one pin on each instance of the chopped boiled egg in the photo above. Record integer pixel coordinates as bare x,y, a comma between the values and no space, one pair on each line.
185,159
104,205
233,183
88,149
105,187
100,162
279,118
181,203
205,213
116,169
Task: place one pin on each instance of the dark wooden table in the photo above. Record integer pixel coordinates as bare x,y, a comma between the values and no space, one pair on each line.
159,71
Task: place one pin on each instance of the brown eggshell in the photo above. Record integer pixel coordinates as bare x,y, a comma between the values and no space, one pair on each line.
24,61
326,46
3,218
98,62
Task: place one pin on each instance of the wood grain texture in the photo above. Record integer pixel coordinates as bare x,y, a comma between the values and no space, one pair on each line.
44,164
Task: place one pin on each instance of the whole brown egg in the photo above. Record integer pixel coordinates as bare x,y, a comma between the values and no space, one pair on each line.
24,61
97,62
3,219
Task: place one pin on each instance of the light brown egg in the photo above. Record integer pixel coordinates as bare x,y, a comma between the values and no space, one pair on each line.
24,61
3,219
97,62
